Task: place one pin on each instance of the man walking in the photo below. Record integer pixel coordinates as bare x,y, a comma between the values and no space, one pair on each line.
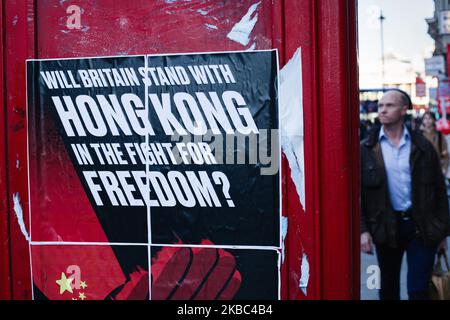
404,205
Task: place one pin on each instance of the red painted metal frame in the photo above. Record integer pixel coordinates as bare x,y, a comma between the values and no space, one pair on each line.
328,233
338,109
303,237
5,271
353,114
338,148
19,33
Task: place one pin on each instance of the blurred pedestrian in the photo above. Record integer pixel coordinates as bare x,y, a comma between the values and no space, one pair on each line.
404,205
362,129
415,123
438,140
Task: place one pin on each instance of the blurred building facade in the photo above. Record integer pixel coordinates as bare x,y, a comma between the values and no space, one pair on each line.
439,26
437,65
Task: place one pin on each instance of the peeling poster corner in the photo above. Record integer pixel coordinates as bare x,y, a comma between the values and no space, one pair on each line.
304,279
211,26
284,229
241,30
252,47
291,121
19,215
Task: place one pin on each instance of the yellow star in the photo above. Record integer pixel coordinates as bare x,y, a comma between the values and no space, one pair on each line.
82,296
83,284
64,284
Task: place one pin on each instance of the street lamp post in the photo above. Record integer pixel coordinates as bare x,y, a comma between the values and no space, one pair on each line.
382,18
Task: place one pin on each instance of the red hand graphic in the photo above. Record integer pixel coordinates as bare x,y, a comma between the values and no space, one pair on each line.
194,273
180,273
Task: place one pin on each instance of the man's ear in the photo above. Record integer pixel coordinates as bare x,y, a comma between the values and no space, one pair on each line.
404,110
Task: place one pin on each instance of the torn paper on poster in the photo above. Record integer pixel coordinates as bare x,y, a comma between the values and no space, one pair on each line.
19,215
303,285
241,30
291,121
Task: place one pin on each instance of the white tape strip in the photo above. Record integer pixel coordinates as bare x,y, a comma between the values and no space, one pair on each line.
19,215
284,229
67,243
304,279
291,121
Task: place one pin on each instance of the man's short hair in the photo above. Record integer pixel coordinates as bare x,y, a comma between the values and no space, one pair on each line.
405,99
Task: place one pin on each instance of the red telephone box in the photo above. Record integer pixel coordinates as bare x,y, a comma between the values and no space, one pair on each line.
327,233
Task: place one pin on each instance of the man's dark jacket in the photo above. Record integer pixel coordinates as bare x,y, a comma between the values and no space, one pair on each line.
430,209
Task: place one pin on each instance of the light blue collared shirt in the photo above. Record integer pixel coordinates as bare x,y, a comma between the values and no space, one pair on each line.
398,171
